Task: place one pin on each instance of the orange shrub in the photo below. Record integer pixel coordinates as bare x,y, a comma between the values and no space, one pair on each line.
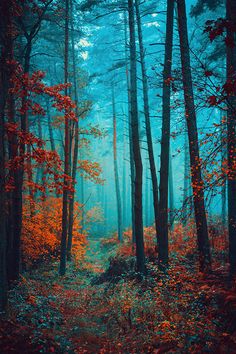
41,232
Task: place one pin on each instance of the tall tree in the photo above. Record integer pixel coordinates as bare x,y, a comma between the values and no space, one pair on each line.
75,136
62,269
138,206
231,132
28,24
131,157
190,114
147,115
165,139
6,8
116,174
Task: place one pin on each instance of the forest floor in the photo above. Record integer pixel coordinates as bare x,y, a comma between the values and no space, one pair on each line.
103,308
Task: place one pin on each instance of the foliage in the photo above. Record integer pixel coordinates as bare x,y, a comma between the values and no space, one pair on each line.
90,170
177,311
41,232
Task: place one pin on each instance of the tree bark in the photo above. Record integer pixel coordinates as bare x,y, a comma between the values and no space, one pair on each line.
131,157
138,213
195,162
224,182
3,241
50,130
14,249
171,196
163,247
231,134
116,174
124,190
62,269
5,72
186,207
76,146
147,116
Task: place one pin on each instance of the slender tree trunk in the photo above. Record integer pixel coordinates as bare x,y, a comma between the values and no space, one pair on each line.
124,191
50,130
138,212
147,192
16,198
5,72
62,269
132,184
3,241
40,169
72,197
51,138
131,157
14,246
224,182
171,196
147,116
12,197
13,175
186,180
15,249
196,178
163,248
231,134
82,202
76,146
116,174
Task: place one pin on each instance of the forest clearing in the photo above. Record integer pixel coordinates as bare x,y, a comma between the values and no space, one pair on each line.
118,176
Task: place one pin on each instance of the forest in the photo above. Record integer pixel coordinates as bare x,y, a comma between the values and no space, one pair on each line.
118,176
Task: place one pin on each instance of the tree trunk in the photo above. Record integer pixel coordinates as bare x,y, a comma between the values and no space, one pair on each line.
146,194
51,138
124,190
116,174
50,130
224,184
131,157
15,247
163,248
3,244
185,206
196,178
62,269
231,136
82,202
5,72
147,116
40,169
76,146
15,197
138,213
171,196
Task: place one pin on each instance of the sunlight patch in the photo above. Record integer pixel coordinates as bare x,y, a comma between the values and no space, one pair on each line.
84,43
152,24
84,55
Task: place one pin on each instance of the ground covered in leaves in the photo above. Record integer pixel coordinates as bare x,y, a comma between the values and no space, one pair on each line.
97,310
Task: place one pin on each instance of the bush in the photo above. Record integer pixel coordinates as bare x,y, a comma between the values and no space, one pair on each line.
41,232
119,266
